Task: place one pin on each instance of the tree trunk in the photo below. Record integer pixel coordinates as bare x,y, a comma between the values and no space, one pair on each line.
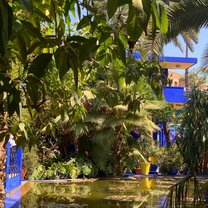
2,173
167,133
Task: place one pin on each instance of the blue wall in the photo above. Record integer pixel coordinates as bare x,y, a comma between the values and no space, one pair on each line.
174,94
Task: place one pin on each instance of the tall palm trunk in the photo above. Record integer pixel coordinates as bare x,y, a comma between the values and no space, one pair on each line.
2,173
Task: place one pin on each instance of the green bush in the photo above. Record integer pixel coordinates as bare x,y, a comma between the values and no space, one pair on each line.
171,160
30,160
69,169
38,172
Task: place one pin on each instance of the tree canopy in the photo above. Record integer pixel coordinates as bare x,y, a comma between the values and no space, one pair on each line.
35,33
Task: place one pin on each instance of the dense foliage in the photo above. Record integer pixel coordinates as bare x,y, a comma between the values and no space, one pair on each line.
78,83
42,32
75,82
192,136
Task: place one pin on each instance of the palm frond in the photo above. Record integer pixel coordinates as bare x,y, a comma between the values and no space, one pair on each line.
142,118
154,105
104,138
147,105
144,123
96,118
185,18
187,15
147,43
81,128
177,43
112,122
101,148
188,37
205,59
121,108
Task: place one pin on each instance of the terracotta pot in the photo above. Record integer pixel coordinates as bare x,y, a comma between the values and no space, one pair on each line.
138,171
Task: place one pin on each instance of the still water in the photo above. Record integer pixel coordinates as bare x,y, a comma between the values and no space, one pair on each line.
124,193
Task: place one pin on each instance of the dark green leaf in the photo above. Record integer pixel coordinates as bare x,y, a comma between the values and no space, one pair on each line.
85,21
42,15
147,13
52,9
13,101
10,20
104,37
33,87
5,83
33,46
69,6
1,112
156,15
134,28
27,4
66,8
164,20
39,65
123,2
76,71
160,17
147,6
90,8
61,29
33,31
122,49
74,63
62,61
86,49
76,38
6,16
112,6
22,47
107,29
154,26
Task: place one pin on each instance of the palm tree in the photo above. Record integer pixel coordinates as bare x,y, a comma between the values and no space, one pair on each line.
187,15
185,18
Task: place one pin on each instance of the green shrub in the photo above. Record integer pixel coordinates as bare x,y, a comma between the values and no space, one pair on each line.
30,161
70,169
171,160
38,172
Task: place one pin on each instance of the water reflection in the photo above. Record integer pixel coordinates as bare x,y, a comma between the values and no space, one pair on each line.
142,192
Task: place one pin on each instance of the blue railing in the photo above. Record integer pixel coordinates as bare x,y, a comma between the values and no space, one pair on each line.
13,167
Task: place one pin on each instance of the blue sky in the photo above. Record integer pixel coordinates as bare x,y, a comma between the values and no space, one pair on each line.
171,50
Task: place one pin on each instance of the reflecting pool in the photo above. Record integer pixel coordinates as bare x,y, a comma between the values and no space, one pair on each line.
141,192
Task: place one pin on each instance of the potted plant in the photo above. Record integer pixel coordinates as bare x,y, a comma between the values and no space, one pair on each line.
171,161
143,162
154,152
148,155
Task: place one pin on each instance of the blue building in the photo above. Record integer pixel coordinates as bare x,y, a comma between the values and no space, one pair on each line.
173,94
